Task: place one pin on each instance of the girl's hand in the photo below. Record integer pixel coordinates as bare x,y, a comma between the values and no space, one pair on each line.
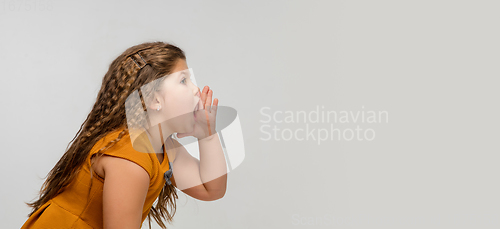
205,116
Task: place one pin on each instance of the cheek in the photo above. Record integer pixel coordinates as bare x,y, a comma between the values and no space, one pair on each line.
179,101
178,106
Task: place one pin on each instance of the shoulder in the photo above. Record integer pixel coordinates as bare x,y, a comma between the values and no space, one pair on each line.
105,164
117,166
122,154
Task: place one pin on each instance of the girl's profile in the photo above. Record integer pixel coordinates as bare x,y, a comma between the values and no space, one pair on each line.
125,157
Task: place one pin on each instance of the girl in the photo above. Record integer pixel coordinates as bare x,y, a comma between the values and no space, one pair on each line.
118,165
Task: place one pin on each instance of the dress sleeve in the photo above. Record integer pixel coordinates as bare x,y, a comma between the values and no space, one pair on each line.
124,149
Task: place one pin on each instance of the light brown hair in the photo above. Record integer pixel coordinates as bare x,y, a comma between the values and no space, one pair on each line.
108,114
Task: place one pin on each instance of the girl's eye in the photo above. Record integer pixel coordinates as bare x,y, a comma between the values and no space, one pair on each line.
183,80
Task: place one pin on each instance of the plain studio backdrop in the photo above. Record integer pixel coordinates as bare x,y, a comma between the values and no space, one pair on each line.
414,85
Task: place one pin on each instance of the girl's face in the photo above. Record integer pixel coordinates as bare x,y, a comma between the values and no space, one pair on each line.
179,97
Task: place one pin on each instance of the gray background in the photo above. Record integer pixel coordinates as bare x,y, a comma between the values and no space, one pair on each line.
432,65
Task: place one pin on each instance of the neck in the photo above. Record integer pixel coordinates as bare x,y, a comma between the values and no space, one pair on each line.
158,139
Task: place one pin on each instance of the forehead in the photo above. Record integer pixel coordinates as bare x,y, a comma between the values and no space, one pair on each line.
180,65
179,69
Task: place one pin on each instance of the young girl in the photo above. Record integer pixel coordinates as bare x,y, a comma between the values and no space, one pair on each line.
121,162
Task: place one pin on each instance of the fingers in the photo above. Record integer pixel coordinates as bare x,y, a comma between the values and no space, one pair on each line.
208,103
204,96
216,105
206,99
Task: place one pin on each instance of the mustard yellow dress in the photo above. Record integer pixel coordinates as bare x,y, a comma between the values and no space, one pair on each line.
76,207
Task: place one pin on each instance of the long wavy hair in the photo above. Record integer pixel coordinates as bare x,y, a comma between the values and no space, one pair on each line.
108,114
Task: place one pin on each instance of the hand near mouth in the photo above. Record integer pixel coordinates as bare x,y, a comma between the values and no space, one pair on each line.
205,117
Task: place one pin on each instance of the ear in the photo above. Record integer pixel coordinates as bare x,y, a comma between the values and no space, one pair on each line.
156,102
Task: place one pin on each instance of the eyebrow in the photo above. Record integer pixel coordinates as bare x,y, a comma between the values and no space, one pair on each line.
182,74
